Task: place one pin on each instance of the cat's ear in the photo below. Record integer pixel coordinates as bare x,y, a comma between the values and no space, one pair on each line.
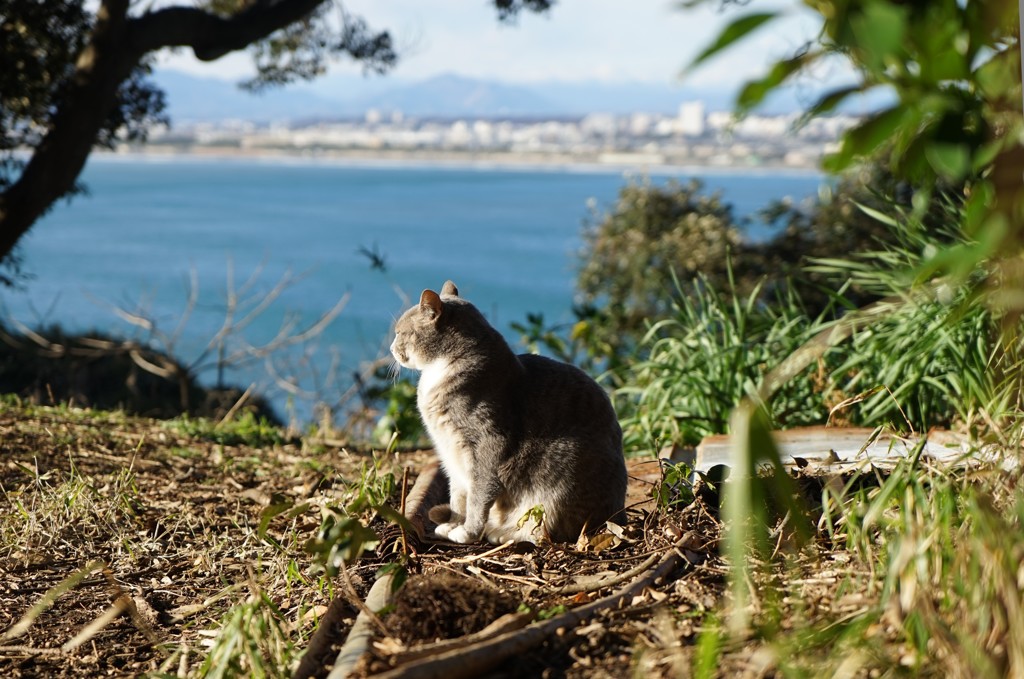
449,289
430,304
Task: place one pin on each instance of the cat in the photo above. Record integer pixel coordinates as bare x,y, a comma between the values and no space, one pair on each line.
512,433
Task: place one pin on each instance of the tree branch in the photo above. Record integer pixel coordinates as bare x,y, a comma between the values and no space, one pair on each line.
211,36
116,47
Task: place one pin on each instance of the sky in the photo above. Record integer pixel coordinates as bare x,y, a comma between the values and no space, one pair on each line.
648,41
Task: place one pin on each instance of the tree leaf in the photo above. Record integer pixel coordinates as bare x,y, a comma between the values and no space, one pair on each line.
754,92
950,161
865,139
731,34
829,101
875,214
995,77
879,28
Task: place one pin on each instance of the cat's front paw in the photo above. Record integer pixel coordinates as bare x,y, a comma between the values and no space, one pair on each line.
454,532
443,529
461,535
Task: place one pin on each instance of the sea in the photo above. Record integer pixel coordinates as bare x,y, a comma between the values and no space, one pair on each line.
172,250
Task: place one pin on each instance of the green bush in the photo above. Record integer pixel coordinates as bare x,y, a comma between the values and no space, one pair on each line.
632,252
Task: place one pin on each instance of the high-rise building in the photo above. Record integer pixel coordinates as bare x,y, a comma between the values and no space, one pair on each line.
691,119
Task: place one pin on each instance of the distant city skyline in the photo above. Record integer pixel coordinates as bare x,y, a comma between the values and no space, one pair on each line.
646,41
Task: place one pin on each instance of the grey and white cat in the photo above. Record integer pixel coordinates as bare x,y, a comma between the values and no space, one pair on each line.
512,432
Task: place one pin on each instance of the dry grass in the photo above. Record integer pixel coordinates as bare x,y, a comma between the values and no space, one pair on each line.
174,522
132,547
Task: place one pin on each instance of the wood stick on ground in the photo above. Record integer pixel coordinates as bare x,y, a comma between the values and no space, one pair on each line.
359,637
29,651
475,660
506,623
589,584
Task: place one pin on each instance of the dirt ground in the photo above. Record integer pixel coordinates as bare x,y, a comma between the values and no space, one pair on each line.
183,537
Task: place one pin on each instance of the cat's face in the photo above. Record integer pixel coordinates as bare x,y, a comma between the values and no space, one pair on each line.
418,338
403,348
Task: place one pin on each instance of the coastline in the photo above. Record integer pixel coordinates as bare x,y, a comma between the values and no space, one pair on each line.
560,161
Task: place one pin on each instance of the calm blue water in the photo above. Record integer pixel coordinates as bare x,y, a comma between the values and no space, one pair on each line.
506,237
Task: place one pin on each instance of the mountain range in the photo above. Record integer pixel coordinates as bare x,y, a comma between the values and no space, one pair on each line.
192,98
202,99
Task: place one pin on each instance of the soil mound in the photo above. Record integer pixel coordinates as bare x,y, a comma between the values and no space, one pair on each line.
446,607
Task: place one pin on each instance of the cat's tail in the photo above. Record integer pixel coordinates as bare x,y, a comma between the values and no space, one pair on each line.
441,513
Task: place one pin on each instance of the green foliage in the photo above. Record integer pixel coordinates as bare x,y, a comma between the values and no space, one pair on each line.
631,253
926,531
40,44
508,10
341,540
302,50
912,361
63,507
536,335
280,505
534,513
848,220
758,493
543,613
736,30
655,233
930,352
44,40
344,533
245,430
933,356
253,640
675,488
400,422
954,70
373,489
701,361
399,574
709,648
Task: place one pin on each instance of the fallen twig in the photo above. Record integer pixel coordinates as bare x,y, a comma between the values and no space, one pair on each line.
592,583
30,650
506,623
490,552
